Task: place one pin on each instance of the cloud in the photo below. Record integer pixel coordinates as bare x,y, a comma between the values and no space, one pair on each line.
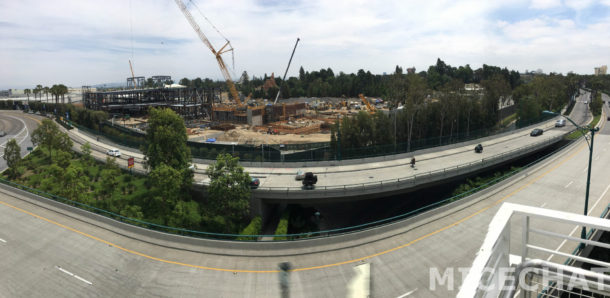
544,4
579,4
81,42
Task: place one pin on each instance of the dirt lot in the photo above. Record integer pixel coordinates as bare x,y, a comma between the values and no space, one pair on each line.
244,136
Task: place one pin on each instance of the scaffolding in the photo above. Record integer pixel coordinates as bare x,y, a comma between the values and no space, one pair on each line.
190,103
136,82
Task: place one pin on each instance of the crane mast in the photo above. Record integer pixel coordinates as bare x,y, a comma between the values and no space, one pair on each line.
133,77
217,54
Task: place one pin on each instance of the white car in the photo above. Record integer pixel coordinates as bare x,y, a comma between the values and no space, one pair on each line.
300,175
560,123
114,152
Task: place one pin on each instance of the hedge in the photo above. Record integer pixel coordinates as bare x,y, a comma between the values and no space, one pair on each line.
254,228
282,226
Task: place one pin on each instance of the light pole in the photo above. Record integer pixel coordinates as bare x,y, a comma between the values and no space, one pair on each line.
583,130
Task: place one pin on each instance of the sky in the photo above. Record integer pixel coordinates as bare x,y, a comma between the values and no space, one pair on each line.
90,42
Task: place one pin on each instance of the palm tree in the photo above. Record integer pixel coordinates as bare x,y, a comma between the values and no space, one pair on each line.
46,92
63,90
27,92
55,92
40,89
35,91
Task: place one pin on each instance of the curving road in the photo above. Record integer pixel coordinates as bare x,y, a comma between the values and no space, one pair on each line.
48,253
18,126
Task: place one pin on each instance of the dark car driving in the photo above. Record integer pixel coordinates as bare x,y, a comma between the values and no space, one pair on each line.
254,183
309,180
478,148
536,132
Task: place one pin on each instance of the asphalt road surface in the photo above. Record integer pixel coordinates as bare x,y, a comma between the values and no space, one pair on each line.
18,126
45,253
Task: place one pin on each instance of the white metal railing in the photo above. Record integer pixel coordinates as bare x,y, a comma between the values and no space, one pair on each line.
492,273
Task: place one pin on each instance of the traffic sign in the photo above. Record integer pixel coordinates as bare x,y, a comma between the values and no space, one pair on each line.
130,162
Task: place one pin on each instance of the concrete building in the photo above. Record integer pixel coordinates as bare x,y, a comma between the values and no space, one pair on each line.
473,87
11,93
601,70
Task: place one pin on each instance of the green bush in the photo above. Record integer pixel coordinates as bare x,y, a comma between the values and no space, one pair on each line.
282,226
254,228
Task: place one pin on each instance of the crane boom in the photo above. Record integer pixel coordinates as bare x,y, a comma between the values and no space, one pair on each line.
217,54
133,77
284,78
366,102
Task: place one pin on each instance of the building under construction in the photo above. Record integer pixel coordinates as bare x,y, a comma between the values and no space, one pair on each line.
190,103
258,115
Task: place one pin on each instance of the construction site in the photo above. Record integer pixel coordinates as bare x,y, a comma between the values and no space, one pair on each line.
217,116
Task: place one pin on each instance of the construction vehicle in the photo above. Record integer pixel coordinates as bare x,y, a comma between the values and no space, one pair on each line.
218,54
366,102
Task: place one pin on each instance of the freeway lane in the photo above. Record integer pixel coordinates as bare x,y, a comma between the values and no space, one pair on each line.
18,126
36,248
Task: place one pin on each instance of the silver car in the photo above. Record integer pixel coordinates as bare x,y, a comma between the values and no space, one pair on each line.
114,152
560,123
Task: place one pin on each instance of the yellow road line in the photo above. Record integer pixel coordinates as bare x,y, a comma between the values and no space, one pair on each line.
305,268
39,122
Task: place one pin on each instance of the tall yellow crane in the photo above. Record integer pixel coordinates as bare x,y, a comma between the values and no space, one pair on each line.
366,102
133,77
226,48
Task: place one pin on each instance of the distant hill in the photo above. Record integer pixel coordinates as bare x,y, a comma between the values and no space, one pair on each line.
110,85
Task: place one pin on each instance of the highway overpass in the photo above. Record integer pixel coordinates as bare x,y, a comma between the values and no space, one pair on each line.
50,251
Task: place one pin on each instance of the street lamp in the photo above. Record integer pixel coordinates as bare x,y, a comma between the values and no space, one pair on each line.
583,130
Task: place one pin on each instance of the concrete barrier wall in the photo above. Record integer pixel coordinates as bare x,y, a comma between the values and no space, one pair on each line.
395,185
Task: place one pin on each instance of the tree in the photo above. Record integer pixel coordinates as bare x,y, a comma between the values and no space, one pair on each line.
46,92
496,88
166,140
62,90
229,190
86,151
186,214
48,135
415,96
75,184
185,82
56,92
39,90
12,155
109,178
596,104
27,92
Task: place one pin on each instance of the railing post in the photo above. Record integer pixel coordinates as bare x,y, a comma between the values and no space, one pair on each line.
525,237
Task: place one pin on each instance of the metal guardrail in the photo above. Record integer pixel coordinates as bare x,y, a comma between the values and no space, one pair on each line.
492,275
412,180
